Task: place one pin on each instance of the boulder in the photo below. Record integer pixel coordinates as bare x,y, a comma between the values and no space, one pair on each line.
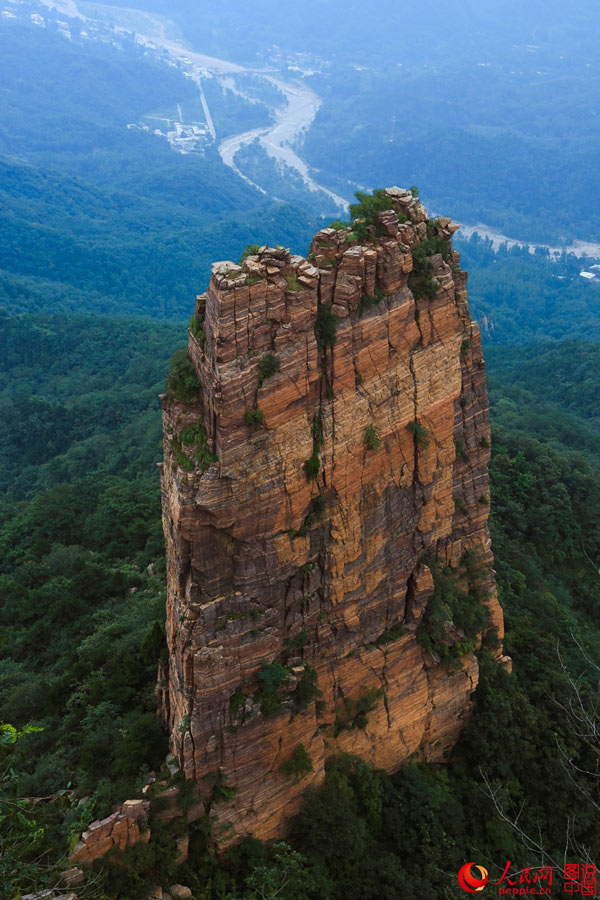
180,892
73,877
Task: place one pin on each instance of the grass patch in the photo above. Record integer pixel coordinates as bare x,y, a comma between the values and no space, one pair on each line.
183,461
368,301
195,436
392,634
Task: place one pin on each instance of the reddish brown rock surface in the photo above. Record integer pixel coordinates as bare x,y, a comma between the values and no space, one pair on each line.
119,831
260,570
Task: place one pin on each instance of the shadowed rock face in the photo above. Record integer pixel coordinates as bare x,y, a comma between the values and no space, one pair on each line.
328,573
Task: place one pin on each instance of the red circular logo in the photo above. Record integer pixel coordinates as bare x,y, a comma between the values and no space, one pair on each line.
469,882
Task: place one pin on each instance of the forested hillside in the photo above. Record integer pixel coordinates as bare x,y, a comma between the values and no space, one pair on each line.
67,245
82,602
101,218
519,297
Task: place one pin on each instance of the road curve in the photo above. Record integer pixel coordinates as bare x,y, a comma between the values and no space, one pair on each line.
292,119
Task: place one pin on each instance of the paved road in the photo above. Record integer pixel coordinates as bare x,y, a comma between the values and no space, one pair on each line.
577,248
292,119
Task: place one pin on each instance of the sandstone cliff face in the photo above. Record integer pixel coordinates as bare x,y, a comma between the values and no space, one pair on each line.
124,828
339,482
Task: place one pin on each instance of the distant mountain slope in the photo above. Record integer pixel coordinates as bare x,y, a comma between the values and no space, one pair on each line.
519,298
490,107
94,216
79,397
66,244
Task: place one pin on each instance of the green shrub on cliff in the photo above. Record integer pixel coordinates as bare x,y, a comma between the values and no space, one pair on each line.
253,417
451,602
196,326
271,677
368,301
372,439
350,713
369,206
251,250
183,382
312,466
317,431
326,326
307,688
420,280
298,766
268,365
420,433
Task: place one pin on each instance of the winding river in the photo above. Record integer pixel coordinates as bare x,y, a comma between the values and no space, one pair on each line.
292,119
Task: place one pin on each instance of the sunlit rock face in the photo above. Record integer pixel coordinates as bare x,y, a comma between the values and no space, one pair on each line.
333,471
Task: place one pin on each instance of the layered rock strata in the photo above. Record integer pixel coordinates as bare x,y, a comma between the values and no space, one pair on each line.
124,828
311,489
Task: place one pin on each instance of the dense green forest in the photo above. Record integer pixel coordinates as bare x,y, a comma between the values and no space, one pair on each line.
519,297
82,602
79,399
66,245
